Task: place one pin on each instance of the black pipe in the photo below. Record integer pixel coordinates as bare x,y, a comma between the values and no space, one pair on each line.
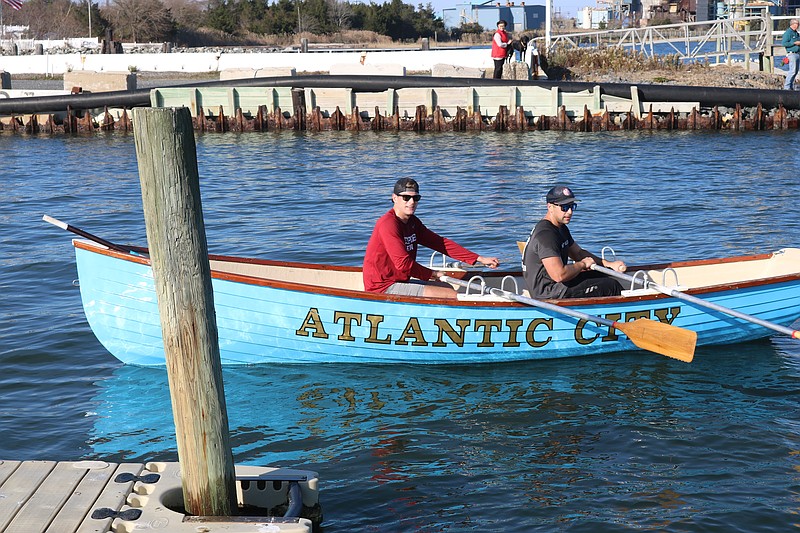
707,96
295,500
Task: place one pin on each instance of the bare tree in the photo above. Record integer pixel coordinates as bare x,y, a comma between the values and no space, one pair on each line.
49,20
340,13
307,23
140,20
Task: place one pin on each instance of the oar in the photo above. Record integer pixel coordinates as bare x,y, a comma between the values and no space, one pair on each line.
649,335
702,303
77,231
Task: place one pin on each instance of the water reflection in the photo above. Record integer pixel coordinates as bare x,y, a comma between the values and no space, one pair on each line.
624,437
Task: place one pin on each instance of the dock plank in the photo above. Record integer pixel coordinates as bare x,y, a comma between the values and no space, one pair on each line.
6,469
102,497
96,476
114,496
18,488
49,498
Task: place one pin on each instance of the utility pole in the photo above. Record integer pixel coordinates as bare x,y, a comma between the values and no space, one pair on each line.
548,24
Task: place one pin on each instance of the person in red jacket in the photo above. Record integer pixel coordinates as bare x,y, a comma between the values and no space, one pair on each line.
500,48
390,261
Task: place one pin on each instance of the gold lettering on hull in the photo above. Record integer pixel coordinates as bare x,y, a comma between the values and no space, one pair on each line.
349,326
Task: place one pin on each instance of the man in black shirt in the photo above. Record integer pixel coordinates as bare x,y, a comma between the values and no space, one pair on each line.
544,259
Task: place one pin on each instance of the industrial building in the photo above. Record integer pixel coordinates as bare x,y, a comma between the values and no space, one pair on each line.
520,16
610,14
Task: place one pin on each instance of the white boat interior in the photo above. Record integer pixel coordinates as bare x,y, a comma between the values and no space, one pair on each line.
780,263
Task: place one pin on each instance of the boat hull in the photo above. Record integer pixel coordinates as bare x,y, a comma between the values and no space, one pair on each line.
271,323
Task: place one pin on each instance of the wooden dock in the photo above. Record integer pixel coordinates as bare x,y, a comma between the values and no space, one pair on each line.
99,497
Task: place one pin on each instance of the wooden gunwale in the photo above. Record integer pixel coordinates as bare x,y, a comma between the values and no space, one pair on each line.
701,262
363,295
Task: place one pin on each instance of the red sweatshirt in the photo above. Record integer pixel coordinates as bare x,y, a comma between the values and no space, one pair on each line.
392,252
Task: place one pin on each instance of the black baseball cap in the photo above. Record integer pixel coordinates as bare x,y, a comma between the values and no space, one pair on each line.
406,186
560,195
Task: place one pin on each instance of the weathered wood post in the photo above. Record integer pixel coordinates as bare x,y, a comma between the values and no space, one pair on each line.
167,156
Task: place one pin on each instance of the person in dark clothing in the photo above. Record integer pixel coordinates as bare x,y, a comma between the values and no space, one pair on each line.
791,41
545,266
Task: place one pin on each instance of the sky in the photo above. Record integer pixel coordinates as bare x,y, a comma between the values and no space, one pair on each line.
569,8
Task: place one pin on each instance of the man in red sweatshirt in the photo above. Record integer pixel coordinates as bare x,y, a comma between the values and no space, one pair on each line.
391,258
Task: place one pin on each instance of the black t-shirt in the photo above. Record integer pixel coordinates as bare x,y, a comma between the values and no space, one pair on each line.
546,240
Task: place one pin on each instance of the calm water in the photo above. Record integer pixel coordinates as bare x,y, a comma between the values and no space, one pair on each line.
613,443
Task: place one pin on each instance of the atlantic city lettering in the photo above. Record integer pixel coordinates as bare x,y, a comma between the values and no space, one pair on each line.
507,333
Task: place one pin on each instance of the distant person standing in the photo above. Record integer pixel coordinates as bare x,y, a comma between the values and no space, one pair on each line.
500,43
791,41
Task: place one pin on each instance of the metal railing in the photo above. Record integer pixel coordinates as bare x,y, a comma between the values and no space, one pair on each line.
716,41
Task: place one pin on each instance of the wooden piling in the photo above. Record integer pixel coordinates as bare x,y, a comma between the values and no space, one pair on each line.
239,120
167,156
125,121
587,120
33,125
338,121
563,119
780,117
477,119
501,119
108,120
222,122
439,123
355,120
420,118
759,120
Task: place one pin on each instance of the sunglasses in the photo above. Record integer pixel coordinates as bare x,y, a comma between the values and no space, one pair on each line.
407,197
567,207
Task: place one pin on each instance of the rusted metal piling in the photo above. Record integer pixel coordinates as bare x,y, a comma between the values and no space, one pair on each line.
414,103
504,120
439,121
70,123
434,109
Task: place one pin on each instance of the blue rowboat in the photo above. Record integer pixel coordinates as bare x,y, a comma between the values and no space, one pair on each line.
280,312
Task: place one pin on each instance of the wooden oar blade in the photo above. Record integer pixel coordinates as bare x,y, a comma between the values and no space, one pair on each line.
661,338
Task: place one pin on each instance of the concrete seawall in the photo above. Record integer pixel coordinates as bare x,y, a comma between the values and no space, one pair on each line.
310,62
